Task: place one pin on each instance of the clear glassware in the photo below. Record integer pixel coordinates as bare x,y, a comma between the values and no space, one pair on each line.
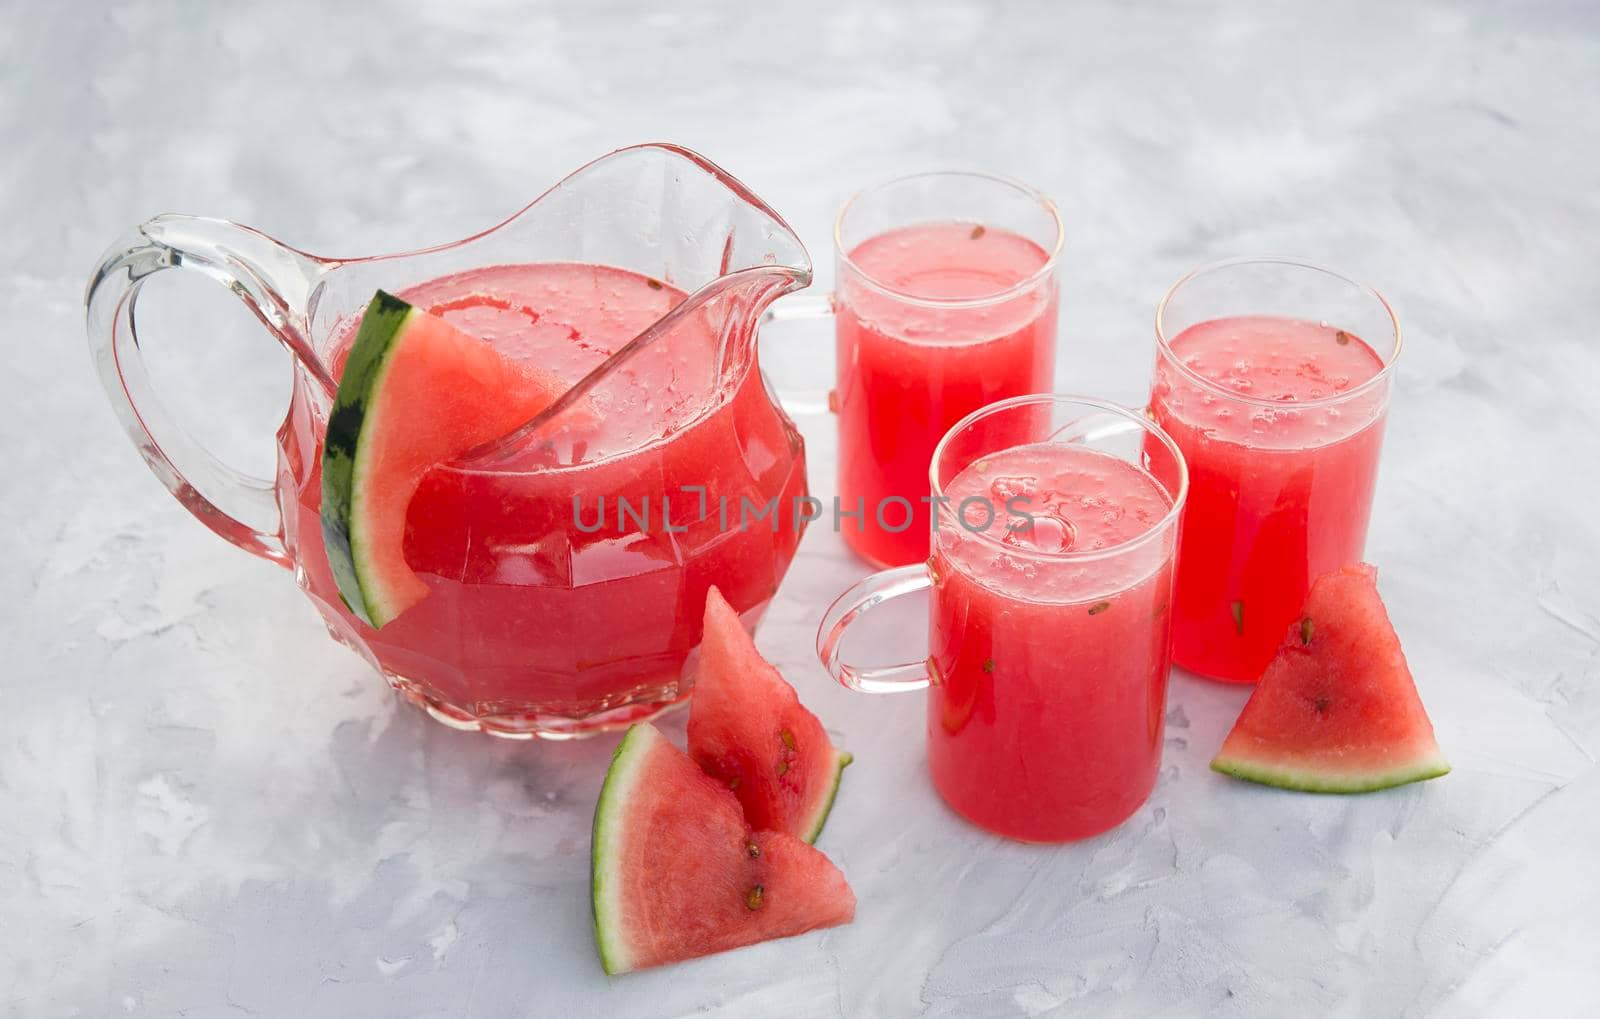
1049,625
1273,376
945,301
533,626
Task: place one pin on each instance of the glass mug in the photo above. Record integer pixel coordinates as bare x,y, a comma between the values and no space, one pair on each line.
945,301
1049,644
1273,377
638,280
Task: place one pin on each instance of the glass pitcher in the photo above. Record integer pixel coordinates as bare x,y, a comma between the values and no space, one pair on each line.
567,563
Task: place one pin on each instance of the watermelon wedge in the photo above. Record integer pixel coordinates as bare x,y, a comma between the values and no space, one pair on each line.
1337,710
415,392
677,873
749,731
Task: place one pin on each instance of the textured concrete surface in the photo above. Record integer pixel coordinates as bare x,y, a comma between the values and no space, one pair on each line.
207,808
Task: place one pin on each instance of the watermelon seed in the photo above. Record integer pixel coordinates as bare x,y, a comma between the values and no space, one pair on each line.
788,738
752,898
1238,617
752,849
935,677
1305,631
733,783
1160,609
654,283
933,572
978,231
1099,607
783,767
988,665
1342,338
1321,704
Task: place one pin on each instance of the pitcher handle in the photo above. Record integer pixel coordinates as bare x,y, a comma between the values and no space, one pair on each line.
272,280
788,363
860,599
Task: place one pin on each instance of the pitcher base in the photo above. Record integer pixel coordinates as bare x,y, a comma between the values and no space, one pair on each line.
527,725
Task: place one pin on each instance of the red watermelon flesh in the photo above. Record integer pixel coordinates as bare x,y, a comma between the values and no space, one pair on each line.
415,392
748,730
677,873
1337,710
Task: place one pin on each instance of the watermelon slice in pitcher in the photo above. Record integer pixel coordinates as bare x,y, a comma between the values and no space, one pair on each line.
1337,710
416,391
748,730
678,873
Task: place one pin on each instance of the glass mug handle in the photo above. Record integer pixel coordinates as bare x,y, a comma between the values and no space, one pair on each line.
805,380
272,280
860,599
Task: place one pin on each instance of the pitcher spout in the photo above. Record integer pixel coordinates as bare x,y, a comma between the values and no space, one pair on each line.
666,204
696,235
754,238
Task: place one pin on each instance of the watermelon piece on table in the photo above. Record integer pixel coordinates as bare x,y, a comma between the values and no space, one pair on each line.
748,730
677,873
1337,710
416,392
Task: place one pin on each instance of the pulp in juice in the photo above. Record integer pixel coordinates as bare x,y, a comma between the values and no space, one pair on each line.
1282,449
531,618
919,348
1049,669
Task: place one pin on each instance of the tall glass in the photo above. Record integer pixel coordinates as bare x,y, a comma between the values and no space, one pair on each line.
945,301
1273,377
1049,638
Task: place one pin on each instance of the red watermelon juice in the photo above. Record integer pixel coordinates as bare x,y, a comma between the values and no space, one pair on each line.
933,321
530,618
1281,420
1050,645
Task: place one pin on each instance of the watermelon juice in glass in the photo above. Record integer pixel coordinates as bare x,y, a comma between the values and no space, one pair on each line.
1273,377
945,301
1049,638
632,289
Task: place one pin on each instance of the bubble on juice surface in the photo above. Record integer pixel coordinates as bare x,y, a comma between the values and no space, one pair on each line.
1108,511
1013,487
1048,531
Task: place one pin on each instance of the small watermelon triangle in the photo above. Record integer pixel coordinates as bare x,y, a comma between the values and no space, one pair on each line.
1337,710
677,873
748,730
415,392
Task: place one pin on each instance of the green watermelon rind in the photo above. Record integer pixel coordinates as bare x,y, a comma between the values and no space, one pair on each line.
382,332
605,864
1305,780
841,761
